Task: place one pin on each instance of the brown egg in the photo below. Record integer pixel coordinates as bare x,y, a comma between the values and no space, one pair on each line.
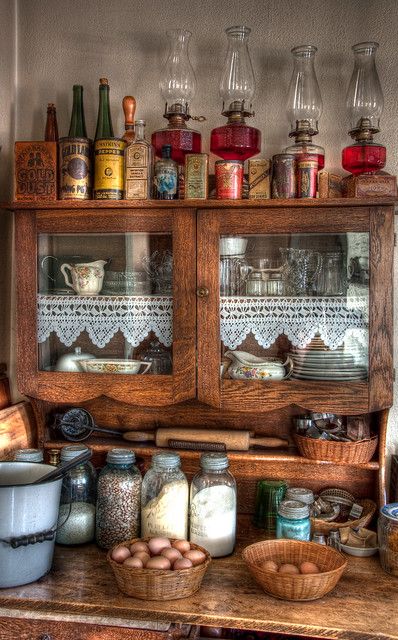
309,567
157,544
170,554
182,563
158,562
195,556
143,556
181,545
269,565
288,568
133,562
120,554
139,546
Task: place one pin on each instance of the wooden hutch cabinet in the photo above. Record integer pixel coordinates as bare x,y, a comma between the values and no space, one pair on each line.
181,311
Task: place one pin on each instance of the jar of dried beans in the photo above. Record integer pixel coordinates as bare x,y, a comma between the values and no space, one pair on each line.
388,538
118,499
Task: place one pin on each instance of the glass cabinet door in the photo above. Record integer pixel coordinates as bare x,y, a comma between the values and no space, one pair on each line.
105,303
295,307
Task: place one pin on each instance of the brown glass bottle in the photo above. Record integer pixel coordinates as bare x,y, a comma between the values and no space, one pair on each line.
51,131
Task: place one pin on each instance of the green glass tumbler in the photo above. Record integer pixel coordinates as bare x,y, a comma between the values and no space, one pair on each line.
269,495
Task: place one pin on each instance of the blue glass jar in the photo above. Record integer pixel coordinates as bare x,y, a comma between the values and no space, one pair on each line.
293,521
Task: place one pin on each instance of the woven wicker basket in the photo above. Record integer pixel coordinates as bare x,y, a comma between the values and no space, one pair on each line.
158,584
347,452
369,509
297,586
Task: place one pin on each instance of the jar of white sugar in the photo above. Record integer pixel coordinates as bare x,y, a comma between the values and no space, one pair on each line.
76,520
164,498
213,506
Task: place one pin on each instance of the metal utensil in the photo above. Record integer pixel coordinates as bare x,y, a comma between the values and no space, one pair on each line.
78,424
64,467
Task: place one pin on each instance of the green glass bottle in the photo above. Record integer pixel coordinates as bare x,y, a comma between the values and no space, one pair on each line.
77,127
104,122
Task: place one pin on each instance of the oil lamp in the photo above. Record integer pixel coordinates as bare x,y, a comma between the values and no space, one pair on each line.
177,86
236,140
364,107
304,108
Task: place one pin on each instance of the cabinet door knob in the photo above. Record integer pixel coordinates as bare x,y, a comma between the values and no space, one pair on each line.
202,292
46,636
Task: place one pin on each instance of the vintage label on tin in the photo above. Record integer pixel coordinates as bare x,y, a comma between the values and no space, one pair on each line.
35,171
137,175
259,179
75,169
109,169
196,175
229,179
307,172
283,176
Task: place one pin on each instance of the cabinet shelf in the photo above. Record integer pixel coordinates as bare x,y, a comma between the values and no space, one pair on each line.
103,316
334,318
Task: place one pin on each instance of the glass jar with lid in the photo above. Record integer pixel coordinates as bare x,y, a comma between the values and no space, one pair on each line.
293,520
213,506
387,533
164,498
255,284
118,499
275,284
160,358
76,520
29,455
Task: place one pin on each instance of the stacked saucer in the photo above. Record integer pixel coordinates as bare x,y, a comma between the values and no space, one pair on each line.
318,362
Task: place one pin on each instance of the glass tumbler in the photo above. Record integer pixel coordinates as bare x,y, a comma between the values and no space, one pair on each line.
234,271
331,279
269,495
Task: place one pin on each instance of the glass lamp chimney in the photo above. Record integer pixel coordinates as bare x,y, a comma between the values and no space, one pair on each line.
304,102
178,82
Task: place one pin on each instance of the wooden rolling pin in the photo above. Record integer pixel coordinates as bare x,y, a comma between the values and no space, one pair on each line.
233,440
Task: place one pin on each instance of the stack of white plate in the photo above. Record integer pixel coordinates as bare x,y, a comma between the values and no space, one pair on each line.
318,362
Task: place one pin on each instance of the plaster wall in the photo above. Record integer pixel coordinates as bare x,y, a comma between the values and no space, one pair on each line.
73,42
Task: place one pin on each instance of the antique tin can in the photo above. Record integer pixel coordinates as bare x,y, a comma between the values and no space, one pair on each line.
259,178
307,176
35,171
229,179
75,169
284,176
196,175
109,168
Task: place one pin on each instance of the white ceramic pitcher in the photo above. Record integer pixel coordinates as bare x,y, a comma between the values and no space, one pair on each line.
87,277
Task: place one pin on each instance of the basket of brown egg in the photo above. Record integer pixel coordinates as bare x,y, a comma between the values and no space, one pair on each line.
158,568
294,570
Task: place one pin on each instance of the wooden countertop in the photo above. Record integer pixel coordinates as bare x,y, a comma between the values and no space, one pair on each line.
81,588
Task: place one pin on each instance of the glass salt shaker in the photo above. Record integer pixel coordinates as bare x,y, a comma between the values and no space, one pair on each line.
334,539
164,498
76,520
275,284
213,506
118,499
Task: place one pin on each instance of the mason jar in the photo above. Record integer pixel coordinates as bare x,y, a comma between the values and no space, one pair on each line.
118,499
164,498
387,533
213,506
76,520
293,521
29,455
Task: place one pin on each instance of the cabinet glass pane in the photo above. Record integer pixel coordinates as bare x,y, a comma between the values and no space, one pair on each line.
295,306
105,303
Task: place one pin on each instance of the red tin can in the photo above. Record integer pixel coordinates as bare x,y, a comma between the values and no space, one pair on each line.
229,179
307,175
